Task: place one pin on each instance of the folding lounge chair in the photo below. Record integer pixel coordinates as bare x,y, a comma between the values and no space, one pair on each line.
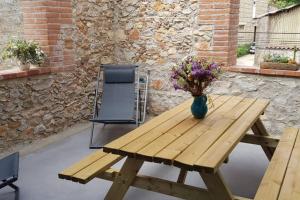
124,97
9,167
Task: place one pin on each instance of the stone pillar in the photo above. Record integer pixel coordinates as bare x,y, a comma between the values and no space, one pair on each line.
224,16
49,22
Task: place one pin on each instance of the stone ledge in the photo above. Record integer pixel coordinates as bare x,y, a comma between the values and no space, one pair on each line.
269,72
16,73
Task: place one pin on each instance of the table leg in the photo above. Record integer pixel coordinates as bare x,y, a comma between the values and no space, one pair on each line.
258,128
216,186
182,176
124,179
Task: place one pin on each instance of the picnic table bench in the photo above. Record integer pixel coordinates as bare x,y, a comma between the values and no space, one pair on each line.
176,138
282,178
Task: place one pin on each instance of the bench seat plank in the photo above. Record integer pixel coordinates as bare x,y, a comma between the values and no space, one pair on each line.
89,167
90,172
271,183
93,157
290,189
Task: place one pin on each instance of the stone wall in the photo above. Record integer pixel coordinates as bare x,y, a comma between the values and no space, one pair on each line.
39,106
11,25
93,34
283,93
156,35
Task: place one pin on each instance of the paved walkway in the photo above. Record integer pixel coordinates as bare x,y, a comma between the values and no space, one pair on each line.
39,169
246,61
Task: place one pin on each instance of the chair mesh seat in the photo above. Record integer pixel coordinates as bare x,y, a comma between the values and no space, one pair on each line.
118,100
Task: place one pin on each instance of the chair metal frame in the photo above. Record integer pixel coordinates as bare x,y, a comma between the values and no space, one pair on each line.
140,109
11,176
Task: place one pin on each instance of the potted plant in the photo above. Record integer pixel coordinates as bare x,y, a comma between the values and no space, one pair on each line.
279,62
26,52
194,75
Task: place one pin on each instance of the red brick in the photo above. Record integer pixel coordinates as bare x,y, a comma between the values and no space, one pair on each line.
42,22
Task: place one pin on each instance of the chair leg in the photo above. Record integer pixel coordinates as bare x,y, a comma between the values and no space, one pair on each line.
92,135
17,194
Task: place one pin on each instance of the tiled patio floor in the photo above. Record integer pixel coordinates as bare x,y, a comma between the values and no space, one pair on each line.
39,181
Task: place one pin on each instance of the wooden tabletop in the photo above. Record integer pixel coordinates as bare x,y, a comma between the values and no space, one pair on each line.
176,138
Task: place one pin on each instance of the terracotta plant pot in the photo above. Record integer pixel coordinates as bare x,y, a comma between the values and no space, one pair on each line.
24,67
279,66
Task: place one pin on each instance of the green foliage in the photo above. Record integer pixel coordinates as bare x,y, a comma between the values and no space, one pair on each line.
24,51
276,58
284,3
243,49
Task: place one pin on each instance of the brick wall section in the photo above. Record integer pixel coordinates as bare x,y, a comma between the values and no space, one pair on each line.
50,23
224,15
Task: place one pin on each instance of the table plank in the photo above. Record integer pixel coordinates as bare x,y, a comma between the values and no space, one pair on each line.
136,133
178,146
163,141
133,147
216,154
220,124
290,189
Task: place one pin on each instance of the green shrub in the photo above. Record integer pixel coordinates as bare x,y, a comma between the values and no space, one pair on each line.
283,3
276,58
243,49
24,51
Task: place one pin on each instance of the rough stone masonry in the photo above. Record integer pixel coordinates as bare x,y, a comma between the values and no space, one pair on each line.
39,106
155,35
283,93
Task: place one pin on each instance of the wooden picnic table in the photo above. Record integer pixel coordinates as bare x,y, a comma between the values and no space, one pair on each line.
177,138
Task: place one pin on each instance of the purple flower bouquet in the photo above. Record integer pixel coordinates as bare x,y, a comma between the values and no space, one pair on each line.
194,75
